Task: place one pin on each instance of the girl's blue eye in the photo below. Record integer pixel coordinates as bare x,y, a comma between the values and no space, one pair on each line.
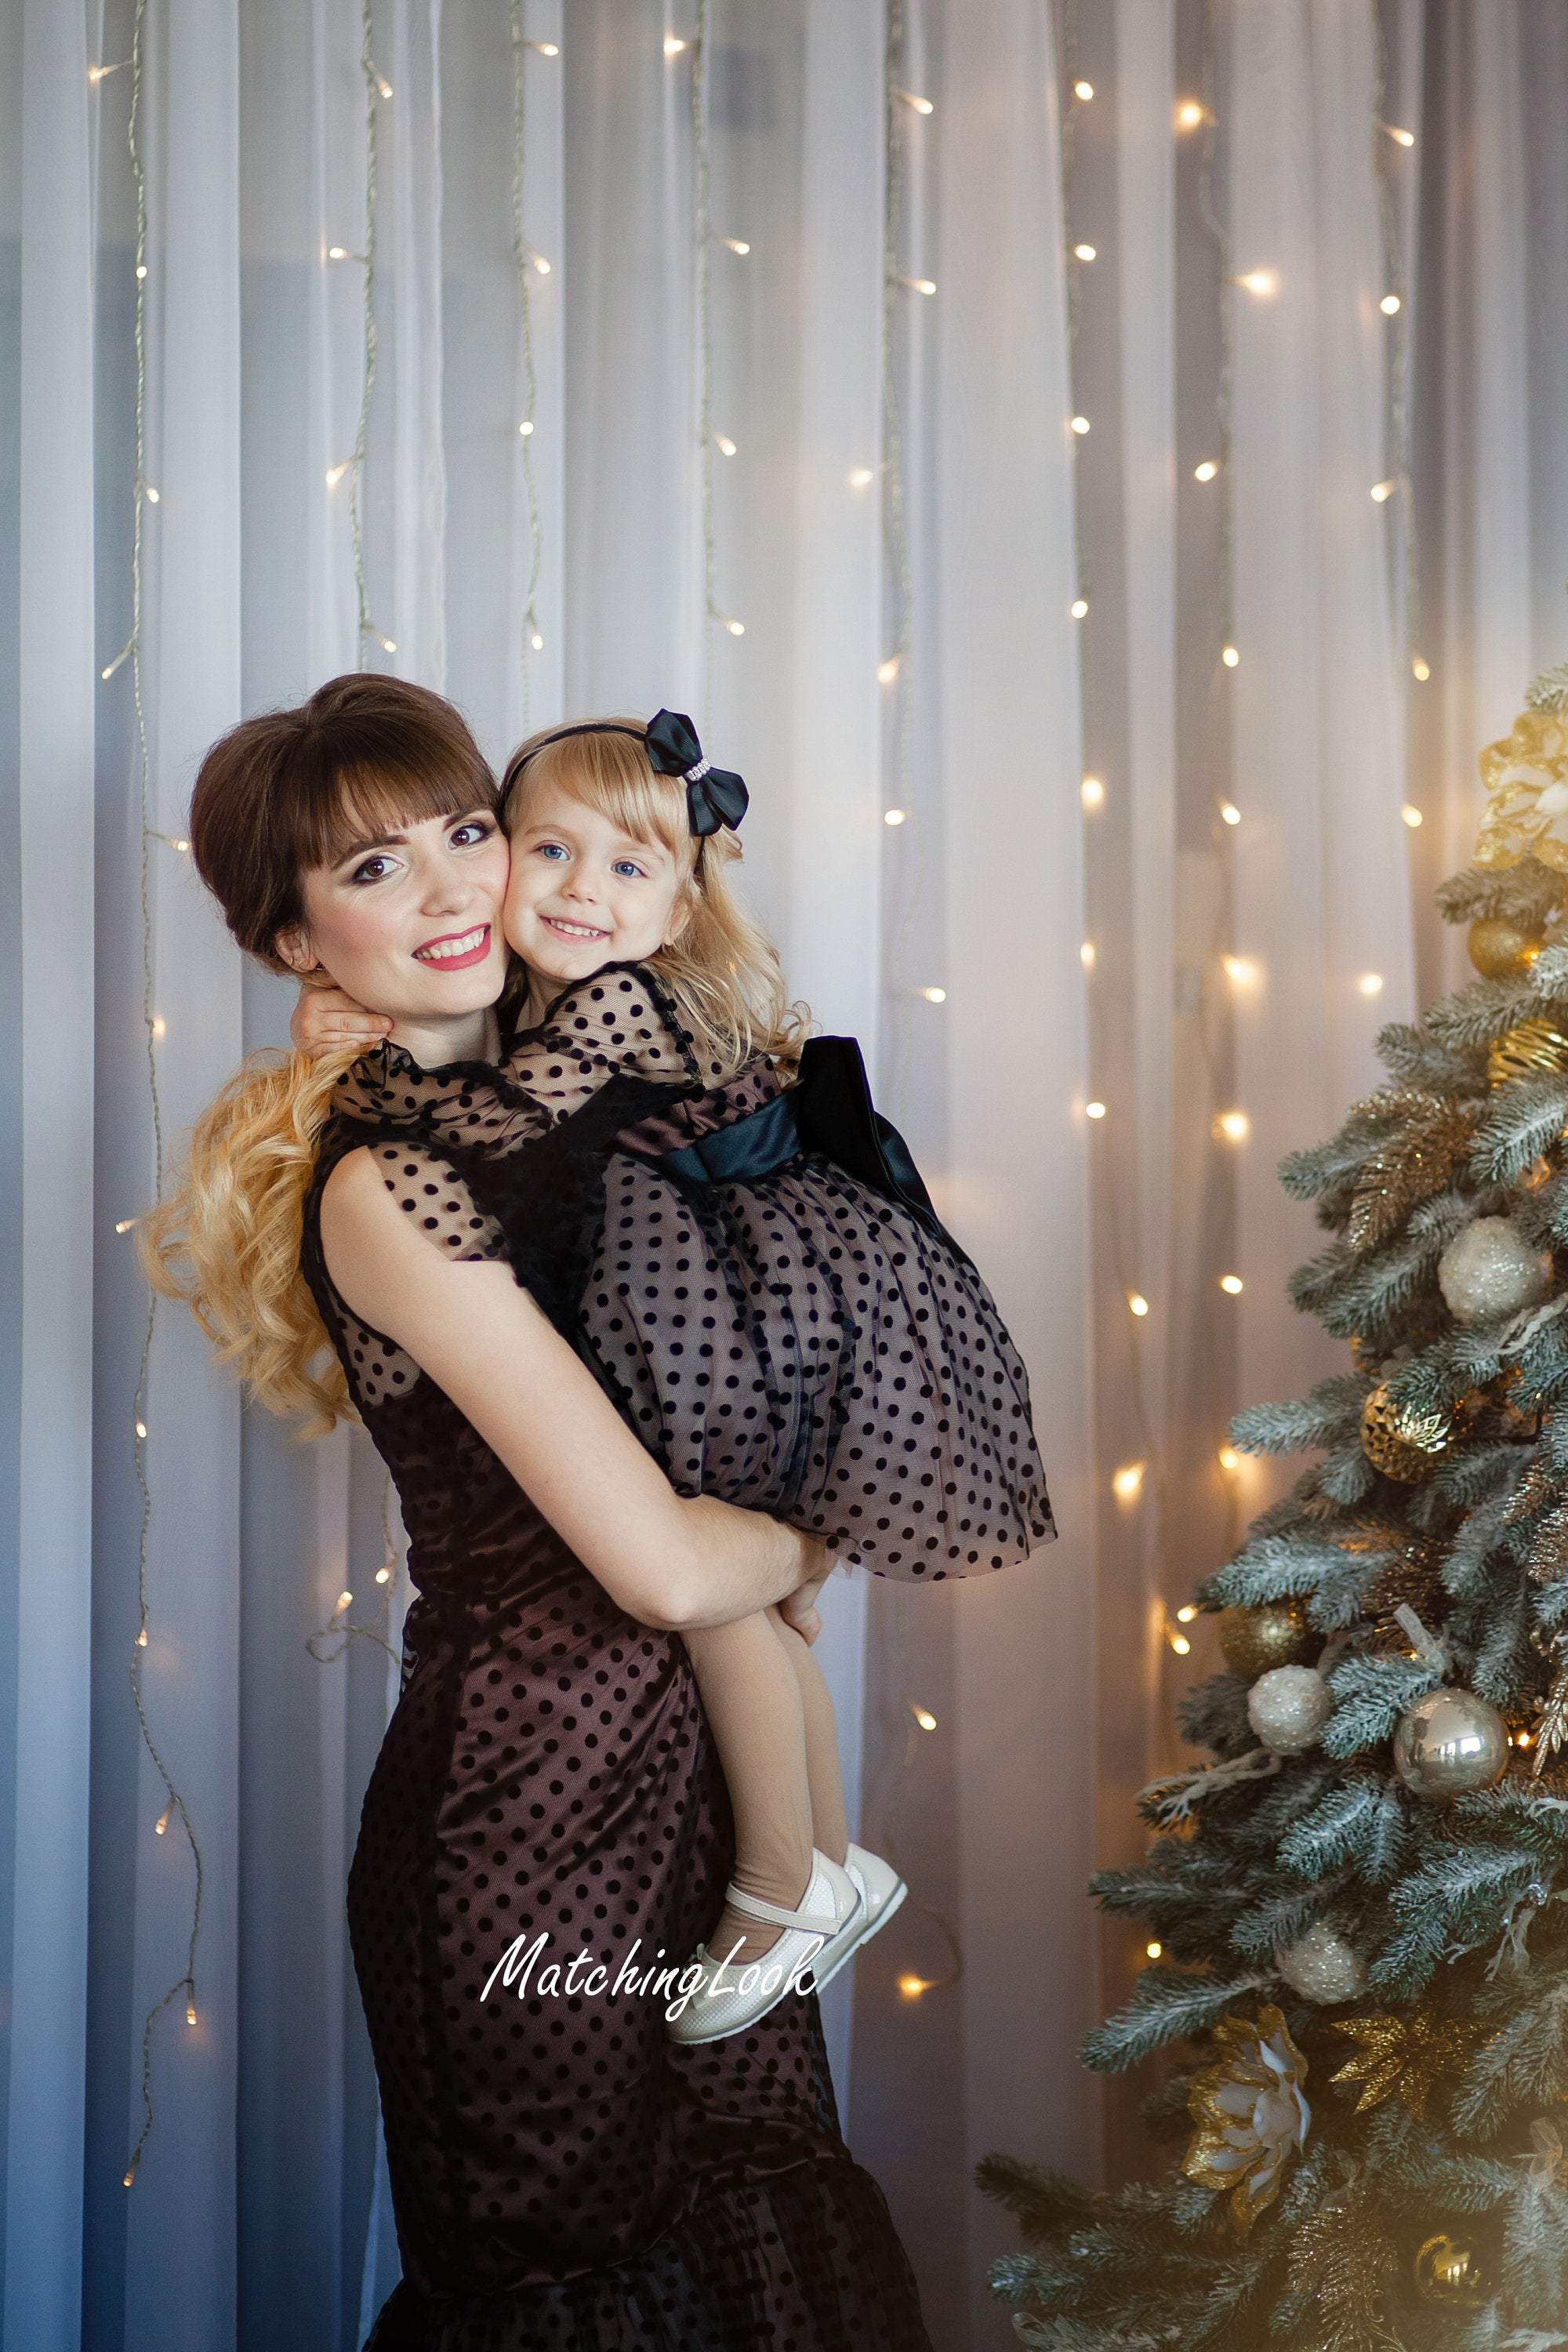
627,861
546,846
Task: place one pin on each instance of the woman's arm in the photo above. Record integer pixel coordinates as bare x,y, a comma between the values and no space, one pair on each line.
668,1560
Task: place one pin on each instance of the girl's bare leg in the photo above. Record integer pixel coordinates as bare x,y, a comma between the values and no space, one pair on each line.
752,1694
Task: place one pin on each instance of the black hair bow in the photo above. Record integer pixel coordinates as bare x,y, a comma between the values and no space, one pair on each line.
714,796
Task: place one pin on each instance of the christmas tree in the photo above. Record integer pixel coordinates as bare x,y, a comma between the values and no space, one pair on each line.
1360,1904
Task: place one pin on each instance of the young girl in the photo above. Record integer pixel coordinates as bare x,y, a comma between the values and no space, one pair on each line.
756,1276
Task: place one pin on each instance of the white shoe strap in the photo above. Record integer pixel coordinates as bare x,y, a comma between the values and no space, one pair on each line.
775,1914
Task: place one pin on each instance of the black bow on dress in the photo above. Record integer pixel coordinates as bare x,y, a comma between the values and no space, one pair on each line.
714,796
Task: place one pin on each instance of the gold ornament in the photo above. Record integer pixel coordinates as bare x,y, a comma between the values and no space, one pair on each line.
1250,2113
1527,805
1500,949
1449,2271
1531,1049
1274,1634
1412,1578
1405,1442
1450,1744
1409,1167
1408,2054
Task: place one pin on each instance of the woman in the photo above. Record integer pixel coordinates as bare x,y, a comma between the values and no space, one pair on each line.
565,2178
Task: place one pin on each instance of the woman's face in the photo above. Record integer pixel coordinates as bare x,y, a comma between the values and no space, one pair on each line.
583,893
409,922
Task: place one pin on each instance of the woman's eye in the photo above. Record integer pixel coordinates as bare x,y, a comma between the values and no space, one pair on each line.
372,870
476,830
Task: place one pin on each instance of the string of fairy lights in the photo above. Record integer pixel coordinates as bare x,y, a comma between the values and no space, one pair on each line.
1131,1482
144,495
527,263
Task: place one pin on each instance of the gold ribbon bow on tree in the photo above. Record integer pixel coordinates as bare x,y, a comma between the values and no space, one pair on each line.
1526,779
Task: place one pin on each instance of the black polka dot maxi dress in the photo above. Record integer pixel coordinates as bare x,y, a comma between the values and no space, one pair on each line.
790,1337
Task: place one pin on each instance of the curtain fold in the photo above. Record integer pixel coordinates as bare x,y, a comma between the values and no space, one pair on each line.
900,549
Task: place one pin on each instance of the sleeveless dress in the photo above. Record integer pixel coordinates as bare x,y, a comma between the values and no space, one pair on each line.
564,2178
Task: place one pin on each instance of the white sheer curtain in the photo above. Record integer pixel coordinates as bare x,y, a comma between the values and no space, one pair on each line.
258,2214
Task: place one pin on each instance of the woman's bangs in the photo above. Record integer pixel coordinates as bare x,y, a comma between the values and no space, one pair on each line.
364,804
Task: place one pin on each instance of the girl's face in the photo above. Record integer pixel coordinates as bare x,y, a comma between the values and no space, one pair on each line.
583,893
410,921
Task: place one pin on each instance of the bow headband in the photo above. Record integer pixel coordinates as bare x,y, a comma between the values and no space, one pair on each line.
714,796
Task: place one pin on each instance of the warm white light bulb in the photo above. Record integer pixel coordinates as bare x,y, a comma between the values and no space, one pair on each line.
1154,1948
1371,984
343,1601
1241,968
920,285
1420,670
141,1429
1079,609
526,427
1091,792
1094,1110
1411,814
673,45
887,671
1086,253
1381,491
1230,813
1231,1283
540,263
1084,89
727,446
1081,425
158,1026
1234,1125
1186,1613
545,48
384,85
161,1823
537,641
1400,138
142,1639
190,2005
1261,282
1179,1644
142,269
1137,1302
337,253
383,1575
934,995
1389,305
736,245
1127,1482
124,1225
1086,955
1230,656
389,645
1206,471
923,1717
736,628
894,817
921,105
861,478
335,473
912,1987
151,495
1189,114
1229,1459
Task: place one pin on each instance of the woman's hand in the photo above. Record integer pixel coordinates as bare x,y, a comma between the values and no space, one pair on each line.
799,1608
326,1019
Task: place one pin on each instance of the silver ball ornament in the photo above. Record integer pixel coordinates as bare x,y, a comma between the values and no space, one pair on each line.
1322,1967
1450,1743
1289,1707
1489,1270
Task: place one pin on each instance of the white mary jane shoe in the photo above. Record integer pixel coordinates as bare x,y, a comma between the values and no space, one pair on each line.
727,1997
881,1891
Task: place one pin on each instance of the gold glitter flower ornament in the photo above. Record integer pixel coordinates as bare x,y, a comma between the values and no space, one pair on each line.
1250,2113
1526,779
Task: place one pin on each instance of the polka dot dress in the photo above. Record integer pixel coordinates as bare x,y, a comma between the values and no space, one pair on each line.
798,1342
565,2178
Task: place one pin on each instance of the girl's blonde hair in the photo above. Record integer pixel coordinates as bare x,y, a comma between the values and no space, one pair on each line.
723,969
281,793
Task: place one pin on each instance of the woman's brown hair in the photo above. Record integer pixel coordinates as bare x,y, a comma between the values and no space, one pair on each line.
278,794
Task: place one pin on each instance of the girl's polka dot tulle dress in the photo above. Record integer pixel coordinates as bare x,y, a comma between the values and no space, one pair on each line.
787,1335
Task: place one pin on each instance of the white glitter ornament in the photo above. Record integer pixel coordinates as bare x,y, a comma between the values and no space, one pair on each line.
1489,1270
1322,1967
1289,1707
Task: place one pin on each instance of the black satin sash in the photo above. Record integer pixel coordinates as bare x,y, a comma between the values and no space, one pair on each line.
829,1109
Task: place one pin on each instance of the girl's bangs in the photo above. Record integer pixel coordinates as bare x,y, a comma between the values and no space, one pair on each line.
610,774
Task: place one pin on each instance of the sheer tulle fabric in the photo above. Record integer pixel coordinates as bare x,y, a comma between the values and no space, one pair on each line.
797,1342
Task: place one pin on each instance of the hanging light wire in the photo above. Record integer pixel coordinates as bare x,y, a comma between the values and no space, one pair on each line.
522,257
